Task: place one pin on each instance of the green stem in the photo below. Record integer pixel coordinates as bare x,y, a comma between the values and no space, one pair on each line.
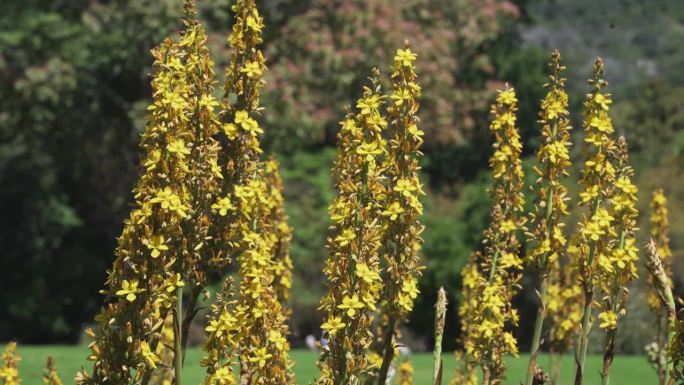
583,342
536,336
178,344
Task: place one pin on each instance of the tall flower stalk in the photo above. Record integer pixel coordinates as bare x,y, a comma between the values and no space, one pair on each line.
354,242
161,247
487,341
550,205
598,177
402,211
659,230
618,268
245,226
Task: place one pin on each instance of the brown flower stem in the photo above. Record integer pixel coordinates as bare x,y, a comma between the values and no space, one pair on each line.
189,317
388,351
178,344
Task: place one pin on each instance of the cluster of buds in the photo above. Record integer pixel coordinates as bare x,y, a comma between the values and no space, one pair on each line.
9,371
51,377
499,267
355,240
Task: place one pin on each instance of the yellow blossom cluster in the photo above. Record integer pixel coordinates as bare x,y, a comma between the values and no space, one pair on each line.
221,343
550,205
160,248
283,235
598,177
618,267
250,224
51,377
487,339
402,211
9,371
355,240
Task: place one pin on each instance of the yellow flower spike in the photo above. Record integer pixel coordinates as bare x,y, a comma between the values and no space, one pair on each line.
173,238
355,240
253,225
491,277
618,265
400,206
597,182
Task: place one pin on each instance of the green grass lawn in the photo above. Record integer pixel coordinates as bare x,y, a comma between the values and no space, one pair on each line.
627,370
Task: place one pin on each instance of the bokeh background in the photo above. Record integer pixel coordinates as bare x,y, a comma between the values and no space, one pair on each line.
74,86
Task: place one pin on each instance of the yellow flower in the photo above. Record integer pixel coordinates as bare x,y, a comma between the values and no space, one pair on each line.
252,69
157,245
405,57
347,236
508,226
368,104
128,290
602,100
261,356
507,97
351,304
148,355
367,274
393,211
248,124
333,325
223,206
609,319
